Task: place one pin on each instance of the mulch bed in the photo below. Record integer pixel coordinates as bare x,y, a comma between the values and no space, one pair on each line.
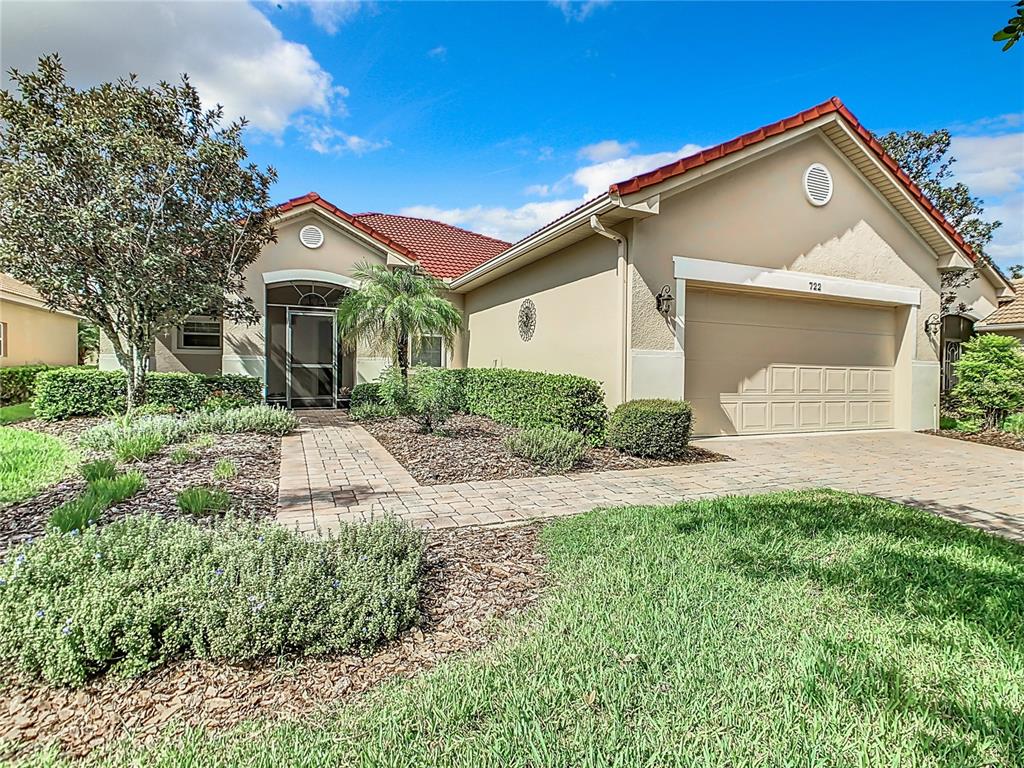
253,489
995,437
471,578
472,448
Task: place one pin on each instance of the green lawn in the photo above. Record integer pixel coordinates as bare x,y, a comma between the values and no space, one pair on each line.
796,629
12,414
30,461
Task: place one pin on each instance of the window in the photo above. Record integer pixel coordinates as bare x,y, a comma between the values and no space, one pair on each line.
3,339
429,350
199,332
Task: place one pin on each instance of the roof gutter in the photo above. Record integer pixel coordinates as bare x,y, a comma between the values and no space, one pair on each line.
622,267
527,244
995,327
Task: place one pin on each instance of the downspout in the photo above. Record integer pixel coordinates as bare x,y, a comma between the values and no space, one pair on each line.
611,234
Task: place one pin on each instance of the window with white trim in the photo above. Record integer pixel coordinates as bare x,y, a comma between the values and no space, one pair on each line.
428,350
200,332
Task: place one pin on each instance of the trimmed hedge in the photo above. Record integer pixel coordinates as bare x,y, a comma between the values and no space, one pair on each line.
17,383
367,393
535,399
653,429
64,392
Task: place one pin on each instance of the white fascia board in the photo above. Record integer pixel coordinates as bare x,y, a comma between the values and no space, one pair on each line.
996,327
314,275
812,285
576,219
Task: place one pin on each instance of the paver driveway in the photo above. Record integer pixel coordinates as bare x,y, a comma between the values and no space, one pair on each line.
334,471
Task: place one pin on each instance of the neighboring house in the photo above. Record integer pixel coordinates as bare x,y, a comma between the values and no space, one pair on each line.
32,333
1008,320
785,281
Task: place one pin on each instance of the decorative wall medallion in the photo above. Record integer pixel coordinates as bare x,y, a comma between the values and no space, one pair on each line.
527,319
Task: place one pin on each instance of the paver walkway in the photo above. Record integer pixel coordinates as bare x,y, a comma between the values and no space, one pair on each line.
333,471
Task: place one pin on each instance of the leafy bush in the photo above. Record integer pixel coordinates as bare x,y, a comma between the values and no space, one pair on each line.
533,399
130,595
429,397
113,490
162,430
17,383
138,447
64,392
260,419
224,469
204,441
1014,423
655,429
367,393
553,448
990,378
98,470
200,500
76,514
183,455
225,402
371,411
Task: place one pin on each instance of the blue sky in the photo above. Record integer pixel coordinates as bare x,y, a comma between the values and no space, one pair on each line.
498,117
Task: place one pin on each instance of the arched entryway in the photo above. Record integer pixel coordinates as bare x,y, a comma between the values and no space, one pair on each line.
306,365
956,329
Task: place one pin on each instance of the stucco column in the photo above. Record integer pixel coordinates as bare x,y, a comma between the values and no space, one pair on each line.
680,334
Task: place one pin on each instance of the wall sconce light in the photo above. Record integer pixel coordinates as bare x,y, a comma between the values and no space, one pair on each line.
663,300
933,324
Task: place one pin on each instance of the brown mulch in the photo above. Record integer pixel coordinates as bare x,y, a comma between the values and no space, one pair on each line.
472,448
995,437
471,577
68,429
253,489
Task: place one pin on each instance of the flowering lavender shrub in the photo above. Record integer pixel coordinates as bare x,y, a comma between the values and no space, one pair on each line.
128,596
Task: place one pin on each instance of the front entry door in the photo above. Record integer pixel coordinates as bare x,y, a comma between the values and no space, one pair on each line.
312,360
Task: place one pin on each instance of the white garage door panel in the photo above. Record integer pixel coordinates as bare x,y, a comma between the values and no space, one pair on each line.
760,364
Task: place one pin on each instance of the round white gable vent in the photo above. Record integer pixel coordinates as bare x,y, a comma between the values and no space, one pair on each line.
311,237
818,184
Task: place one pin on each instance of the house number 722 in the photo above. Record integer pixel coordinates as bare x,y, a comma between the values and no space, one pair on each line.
814,286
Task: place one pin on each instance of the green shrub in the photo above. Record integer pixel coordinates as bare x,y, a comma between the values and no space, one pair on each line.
113,490
260,419
367,393
17,383
990,378
109,434
655,429
224,469
371,411
152,409
183,455
100,469
77,514
204,441
64,392
127,596
224,402
553,448
429,397
1014,423
533,399
200,500
138,447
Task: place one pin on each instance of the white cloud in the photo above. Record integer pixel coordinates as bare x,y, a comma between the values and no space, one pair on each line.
596,178
327,140
231,52
1007,247
609,149
438,52
578,10
330,15
989,165
514,223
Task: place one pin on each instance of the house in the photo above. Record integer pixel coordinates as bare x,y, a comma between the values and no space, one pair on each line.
785,281
32,333
1008,320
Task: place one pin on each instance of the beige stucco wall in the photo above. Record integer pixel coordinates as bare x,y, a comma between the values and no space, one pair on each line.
578,324
37,335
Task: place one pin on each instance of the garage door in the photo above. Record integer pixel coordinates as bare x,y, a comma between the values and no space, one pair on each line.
760,363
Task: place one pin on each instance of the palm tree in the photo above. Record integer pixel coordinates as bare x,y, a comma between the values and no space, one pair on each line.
392,308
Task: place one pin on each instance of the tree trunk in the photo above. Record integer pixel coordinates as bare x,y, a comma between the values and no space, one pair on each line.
402,354
136,375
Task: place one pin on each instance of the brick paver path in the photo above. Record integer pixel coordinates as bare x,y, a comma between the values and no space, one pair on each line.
333,471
